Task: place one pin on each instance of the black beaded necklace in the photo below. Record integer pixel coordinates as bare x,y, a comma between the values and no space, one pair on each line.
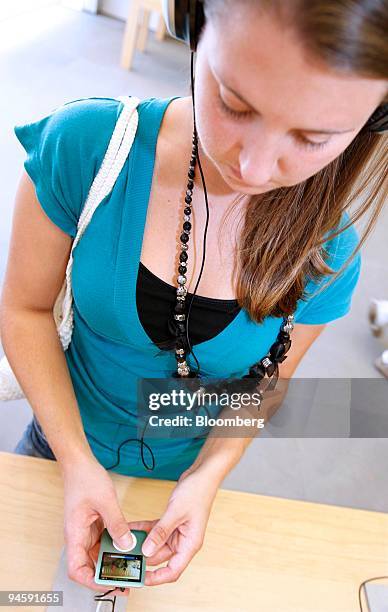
178,324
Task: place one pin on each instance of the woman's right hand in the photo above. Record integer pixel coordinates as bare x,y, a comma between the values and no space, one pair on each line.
91,504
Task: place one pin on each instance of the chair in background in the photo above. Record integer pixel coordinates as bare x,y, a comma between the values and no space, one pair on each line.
137,29
378,322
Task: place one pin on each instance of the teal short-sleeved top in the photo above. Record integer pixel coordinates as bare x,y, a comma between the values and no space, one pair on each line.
110,350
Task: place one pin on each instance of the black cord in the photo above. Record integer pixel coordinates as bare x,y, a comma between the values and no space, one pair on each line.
142,445
103,597
207,219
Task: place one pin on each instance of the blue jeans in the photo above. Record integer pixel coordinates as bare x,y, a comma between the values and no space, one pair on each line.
34,442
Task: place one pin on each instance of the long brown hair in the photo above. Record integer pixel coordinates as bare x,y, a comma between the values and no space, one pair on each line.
281,242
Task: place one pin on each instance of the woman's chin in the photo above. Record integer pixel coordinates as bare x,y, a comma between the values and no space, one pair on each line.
248,189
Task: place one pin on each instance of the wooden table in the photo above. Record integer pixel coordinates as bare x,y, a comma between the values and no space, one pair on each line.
260,553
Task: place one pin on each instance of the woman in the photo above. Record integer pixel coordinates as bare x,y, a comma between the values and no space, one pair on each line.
283,92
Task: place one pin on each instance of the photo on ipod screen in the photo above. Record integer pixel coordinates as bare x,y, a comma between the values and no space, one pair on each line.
121,566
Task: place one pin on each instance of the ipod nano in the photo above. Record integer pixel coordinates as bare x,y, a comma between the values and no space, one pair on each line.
118,567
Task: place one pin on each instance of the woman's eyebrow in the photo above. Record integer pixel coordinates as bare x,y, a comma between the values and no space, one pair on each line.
310,131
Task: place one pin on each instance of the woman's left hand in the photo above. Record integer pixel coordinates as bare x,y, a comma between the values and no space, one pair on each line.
178,535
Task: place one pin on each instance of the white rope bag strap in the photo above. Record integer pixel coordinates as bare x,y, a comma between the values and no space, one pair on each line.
115,157
116,154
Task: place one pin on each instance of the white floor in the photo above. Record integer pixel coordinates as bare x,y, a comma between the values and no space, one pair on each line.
54,55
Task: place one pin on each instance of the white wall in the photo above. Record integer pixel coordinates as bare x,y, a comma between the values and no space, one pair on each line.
90,5
73,4
120,8
79,5
12,8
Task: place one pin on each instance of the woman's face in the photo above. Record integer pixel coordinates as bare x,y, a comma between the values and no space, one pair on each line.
296,117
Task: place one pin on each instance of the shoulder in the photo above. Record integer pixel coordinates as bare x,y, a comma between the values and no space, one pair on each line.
76,131
82,109
80,113
340,251
341,247
65,149
86,120
330,297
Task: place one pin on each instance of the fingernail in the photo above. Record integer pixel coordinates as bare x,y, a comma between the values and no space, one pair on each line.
126,541
148,548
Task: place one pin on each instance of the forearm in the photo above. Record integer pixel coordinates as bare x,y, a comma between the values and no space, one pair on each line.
218,456
33,349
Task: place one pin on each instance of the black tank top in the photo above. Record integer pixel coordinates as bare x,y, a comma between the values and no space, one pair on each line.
155,300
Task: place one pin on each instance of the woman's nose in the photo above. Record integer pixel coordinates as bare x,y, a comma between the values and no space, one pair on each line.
259,161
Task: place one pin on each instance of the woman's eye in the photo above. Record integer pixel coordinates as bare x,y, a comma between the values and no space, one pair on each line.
231,111
303,142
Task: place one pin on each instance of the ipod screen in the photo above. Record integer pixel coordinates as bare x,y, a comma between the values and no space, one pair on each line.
121,566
